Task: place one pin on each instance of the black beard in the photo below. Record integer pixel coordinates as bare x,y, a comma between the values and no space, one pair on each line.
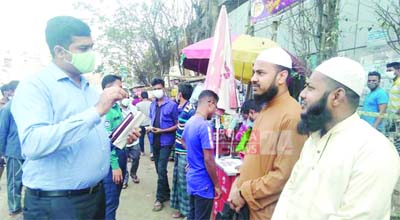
267,95
316,117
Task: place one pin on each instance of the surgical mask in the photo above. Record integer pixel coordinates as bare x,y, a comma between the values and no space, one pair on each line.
250,123
159,93
84,62
390,73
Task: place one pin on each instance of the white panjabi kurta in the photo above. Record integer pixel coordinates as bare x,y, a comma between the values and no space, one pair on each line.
349,173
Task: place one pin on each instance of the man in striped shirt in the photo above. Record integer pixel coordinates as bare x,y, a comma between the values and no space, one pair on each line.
179,196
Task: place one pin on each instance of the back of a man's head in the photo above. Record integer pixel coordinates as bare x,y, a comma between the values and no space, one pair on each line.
109,79
206,96
61,29
144,95
186,90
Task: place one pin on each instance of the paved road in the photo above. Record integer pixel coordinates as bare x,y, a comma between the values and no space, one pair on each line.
136,201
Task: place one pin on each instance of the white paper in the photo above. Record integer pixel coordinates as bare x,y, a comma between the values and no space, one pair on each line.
121,141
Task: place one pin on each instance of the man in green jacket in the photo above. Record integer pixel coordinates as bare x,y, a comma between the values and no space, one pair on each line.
113,181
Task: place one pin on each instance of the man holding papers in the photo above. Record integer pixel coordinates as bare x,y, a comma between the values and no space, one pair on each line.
62,134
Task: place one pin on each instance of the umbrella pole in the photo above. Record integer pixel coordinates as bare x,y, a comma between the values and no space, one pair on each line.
217,124
241,81
241,75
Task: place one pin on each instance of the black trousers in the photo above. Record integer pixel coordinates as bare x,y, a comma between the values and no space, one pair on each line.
200,208
134,153
161,156
81,207
141,138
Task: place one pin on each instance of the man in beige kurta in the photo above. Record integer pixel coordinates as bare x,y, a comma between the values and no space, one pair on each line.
274,145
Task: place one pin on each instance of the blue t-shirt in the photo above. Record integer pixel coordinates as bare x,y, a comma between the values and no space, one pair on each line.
198,136
372,102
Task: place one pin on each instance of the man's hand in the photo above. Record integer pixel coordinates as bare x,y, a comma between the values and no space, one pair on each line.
149,128
236,201
108,98
133,136
117,176
186,168
156,130
218,192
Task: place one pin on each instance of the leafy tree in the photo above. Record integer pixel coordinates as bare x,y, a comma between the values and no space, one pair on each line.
314,27
389,19
139,40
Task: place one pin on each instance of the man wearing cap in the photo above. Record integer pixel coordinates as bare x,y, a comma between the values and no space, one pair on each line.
274,145
347,169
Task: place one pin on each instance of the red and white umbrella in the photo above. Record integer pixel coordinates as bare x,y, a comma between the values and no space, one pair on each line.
220,73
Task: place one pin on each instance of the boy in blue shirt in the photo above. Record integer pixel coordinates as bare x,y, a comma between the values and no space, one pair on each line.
201,177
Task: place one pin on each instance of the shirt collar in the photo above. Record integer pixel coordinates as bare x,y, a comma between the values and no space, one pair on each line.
184,105
337,128
165,101
59,75
57,72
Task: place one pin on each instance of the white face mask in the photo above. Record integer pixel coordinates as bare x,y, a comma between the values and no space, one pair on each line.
159,93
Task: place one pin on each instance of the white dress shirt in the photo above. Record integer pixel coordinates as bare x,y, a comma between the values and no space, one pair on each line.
348,173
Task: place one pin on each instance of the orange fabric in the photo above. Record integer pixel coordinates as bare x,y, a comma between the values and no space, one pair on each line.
273,149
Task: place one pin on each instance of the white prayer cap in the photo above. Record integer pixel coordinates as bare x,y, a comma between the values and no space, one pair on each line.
345,71
277,56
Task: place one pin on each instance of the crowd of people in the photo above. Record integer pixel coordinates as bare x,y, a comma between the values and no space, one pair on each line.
317,159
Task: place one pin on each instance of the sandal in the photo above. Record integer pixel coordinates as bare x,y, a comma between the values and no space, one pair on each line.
177,215
135,179
158,206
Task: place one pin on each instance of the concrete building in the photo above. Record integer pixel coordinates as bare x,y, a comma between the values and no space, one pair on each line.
360,38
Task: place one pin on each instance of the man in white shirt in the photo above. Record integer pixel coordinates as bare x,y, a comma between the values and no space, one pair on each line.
347,169
144,107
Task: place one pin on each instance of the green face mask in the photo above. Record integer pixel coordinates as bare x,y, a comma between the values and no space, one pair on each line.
84,62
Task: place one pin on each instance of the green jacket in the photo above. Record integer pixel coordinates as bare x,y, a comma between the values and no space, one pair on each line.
114,117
